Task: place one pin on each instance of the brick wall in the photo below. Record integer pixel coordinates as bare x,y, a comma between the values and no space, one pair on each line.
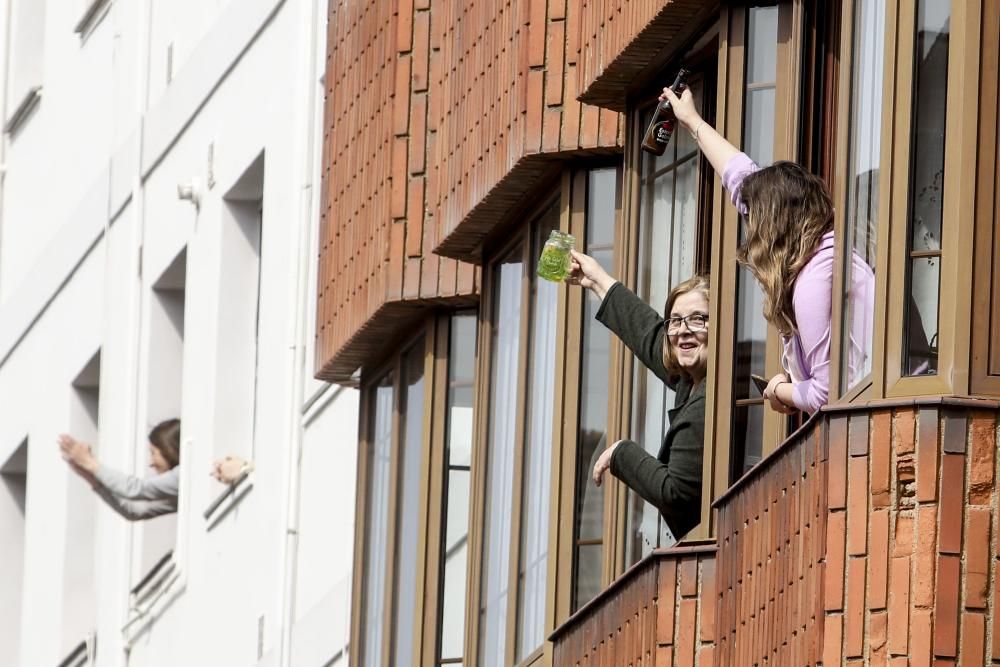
912,546
660,612
507,112
771,535
871,537
376,268
623,42
442,119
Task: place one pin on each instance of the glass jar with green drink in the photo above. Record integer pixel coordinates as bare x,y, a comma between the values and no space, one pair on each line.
555,260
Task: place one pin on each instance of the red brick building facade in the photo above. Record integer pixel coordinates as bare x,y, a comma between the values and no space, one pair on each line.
459,133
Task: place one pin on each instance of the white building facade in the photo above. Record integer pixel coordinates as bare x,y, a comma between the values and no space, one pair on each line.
159,210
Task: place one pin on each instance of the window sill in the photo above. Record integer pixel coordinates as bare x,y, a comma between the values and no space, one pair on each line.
228,499
152,595
92,17
82,654
23,111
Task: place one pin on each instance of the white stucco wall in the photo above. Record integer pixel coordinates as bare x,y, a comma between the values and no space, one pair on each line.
89,221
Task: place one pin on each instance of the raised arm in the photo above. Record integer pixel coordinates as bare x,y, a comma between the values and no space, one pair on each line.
731,164
136,510
159,487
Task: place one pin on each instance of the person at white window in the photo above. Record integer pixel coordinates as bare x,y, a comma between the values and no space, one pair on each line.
133,497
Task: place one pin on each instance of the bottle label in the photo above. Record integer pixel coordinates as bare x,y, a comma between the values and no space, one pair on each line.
664,130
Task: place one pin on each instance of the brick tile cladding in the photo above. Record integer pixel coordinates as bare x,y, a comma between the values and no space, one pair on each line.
440,117
871,537
661,612
621,39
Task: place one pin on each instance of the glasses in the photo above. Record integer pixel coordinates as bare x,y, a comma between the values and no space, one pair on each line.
695,323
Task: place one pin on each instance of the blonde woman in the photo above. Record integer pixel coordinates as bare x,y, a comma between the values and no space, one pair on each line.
788,214
675,348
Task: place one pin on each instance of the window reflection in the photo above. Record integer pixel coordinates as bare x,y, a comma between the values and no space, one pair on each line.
379,448
930,89
537,470
862,204
408,500
750,351
500,459
458,444
593,411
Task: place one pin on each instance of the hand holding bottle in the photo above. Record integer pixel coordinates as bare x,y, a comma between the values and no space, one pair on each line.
683,106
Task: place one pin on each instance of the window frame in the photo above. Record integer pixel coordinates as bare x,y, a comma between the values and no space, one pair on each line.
985,322
627,263
437,483
393,364
958,209
570,192
866,387
522,237
725,220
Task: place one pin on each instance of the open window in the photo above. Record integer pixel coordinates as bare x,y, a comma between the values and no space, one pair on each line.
79,597
237,354
13,500
670,221
164,375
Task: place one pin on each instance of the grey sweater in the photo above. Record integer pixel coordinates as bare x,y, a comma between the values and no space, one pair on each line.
671,481
135,498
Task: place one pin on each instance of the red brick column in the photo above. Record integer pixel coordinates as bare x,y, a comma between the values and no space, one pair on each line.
909,577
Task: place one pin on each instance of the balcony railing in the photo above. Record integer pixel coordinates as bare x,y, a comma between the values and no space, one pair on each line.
752,597
661,607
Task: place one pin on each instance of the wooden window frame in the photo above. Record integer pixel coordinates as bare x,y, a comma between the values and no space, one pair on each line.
865,388
570,192
729,123
627,260
395,365
481,427
958,210
985,323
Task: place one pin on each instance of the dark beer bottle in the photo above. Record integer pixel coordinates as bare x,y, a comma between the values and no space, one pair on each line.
661,128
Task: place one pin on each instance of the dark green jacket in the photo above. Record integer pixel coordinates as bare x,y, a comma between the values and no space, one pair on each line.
672,480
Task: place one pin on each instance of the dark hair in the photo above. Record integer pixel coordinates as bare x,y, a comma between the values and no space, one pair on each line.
790,210
166,437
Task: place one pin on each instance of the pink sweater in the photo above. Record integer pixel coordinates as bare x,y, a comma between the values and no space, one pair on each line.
807,353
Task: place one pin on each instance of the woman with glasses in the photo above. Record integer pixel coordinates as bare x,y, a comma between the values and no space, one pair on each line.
676,350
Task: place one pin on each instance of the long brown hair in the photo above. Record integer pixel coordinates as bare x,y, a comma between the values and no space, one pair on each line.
789,212
166,437
696,283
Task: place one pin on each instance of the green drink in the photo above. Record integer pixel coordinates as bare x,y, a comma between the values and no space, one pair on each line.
555,260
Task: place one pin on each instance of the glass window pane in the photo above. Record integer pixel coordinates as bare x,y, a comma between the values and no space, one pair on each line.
588,563
750,344
507,278
862,206
455,557
593,409
759,138
749,419
459,412
751,335
762,27
921,327
930,90
537,466
377,516
408,500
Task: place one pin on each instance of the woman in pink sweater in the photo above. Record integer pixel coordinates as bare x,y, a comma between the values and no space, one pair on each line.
789,248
